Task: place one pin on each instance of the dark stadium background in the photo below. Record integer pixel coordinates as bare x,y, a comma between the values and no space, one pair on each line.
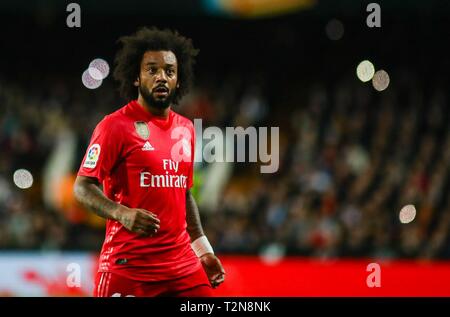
350,156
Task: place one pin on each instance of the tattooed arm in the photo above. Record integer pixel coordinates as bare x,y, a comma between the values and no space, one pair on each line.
194,225
210,262
87,191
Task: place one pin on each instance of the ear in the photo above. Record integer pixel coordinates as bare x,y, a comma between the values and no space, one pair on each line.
136,82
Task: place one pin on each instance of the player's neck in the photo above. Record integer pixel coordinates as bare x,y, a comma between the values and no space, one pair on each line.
163,113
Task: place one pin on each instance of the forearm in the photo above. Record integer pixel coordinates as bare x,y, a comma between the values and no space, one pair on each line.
194,225
91,196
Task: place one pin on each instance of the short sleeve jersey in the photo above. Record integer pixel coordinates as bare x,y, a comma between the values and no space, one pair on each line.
145,161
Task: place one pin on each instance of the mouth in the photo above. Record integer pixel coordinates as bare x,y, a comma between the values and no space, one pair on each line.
161,91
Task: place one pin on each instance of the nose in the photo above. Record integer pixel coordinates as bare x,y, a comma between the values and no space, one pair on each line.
161,76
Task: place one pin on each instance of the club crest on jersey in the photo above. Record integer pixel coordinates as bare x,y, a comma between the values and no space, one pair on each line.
142,129
92,156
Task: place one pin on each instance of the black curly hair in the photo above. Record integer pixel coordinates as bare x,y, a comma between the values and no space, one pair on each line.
128,58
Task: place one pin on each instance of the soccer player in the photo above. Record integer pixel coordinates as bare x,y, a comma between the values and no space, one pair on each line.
143,155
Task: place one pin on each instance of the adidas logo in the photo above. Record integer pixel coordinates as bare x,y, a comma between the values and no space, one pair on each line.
147,147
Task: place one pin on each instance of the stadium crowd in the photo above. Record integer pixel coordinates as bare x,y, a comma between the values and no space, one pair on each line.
350,159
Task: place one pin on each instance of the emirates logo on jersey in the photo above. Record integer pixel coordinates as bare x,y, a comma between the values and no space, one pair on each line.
172,181
168,179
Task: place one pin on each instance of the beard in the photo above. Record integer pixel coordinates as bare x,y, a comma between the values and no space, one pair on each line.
159,103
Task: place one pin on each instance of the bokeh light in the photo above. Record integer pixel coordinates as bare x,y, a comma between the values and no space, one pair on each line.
95,73
89,81
380,80
407,214
272,254
334,30
365,71
23,178
98,69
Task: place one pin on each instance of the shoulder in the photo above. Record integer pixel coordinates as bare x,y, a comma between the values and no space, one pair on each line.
181,120
112,123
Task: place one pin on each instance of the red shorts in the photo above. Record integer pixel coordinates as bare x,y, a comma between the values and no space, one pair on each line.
113,285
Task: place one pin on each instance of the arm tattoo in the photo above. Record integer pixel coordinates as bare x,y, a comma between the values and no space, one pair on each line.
89,194
126,222
194,225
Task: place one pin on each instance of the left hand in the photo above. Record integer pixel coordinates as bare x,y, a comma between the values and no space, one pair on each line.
213,268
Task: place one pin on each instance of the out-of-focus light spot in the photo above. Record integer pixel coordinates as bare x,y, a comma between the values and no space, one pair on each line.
98,69
380,80
23,178
90,82
334,30
95,73
407,214
365,71
272,254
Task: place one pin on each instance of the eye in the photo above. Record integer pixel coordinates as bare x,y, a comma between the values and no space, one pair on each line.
152,70
170,72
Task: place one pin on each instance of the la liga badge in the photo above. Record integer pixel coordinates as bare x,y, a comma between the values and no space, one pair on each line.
92,156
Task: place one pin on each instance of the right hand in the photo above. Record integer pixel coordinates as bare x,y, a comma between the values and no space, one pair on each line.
139,221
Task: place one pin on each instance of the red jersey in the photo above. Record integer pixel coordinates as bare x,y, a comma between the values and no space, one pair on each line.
131,153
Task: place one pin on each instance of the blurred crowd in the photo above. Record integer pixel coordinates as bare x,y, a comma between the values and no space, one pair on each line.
32,121
350,159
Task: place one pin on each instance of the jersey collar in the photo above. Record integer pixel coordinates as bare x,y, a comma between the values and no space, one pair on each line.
137,111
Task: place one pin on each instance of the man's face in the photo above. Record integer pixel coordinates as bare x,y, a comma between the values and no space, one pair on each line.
158,78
